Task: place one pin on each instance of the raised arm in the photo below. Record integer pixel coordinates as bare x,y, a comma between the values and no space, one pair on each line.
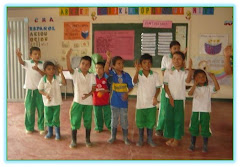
190,93
217,87
60,70
137,68
189,76
107,65
19,55
69,67
42,73
227,64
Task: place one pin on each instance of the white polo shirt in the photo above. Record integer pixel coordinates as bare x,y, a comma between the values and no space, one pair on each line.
147,89
202,98
166,63
176,83
32,77
83,85
52,89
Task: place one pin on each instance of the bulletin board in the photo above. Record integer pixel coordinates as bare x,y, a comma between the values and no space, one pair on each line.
139,30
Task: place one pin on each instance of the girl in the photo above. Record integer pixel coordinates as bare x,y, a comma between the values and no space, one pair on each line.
201,107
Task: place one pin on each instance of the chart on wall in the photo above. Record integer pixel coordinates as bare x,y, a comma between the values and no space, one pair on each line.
117,42
212,44
76,30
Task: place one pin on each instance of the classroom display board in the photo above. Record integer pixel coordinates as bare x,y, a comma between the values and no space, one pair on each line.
132,40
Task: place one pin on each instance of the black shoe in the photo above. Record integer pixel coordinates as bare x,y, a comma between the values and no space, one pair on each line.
88,142
205,145
192,145
74,139
141,134
159,133
125,136
149,138
113,135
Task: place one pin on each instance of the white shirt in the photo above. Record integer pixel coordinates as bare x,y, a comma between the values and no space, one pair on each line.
202,98
176,83
147,89
83,85
32,76
166,63
52,89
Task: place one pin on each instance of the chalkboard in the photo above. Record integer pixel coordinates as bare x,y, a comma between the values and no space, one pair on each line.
138,28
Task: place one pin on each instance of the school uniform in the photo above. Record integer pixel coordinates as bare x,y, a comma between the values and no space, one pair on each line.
101,107
166,64
174,116
82,85
146,111
33,98
51,108
201,109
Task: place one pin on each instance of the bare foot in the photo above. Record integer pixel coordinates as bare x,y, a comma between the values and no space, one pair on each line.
168,143
174,143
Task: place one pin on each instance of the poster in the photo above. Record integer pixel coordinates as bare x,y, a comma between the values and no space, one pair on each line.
181,36
212,44
119,43
76,30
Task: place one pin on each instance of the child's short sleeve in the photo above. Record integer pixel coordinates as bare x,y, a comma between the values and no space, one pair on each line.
166,77
129,81
163,64
186,74
157,79
41,85
59,79
26,64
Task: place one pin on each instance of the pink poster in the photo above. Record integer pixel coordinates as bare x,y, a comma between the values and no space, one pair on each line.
119,43
157,24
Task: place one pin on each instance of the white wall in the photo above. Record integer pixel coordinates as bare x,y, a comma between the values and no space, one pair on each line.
198,24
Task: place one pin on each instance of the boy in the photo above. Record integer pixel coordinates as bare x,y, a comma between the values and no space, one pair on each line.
166,64
33,99
120,87
49,87
84,85
148,90
101,105
174,85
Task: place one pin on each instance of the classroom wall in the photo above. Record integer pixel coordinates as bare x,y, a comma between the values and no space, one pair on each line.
198,24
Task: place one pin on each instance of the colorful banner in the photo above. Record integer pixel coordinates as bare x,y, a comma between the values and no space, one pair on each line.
107,11
76,11
133,11
76,30
156,10
123,11
208,11
157,24
119,43
178,11
197,11
145,10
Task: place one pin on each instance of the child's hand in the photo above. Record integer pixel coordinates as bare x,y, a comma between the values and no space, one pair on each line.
155,102
48,97
190,63
212,75
35,67
228,51
18,52
185,51
124,96
86,96
109,57
137,66
69,53
60,69
171,100
196,81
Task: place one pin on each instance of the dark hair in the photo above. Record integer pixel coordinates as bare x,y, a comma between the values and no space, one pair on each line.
180,53
198,71
48,63
34,48
101,63
115,59
87,58
173,43
146,56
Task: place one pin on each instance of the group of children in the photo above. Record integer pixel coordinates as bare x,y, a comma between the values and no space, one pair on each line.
107,95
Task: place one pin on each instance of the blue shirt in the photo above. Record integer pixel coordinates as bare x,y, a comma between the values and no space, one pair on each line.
119,86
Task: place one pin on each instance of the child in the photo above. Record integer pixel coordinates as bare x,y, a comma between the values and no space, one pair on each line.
165,65
174,85
33,99
120,87
49,87
148,90
101,105
201,108
84,85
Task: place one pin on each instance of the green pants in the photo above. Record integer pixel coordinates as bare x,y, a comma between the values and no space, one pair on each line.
102,114
197,119
51,115
78,111
174,120
162,110
146,118
34,100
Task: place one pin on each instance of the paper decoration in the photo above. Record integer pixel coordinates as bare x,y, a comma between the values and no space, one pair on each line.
228,22
65,44
93,15
145,10
208,11
156,10
166,10
197,11
117,42
157,24
63,11
133,11
107,11
164,40
181,35
123,11
84,43
212,44
76,45
75,11
148,43
178,11
76,30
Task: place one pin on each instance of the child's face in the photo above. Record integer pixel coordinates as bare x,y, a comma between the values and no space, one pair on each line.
146,65
177,61
201,78
36,55
84,66
50,70
174,49
119,65
99,70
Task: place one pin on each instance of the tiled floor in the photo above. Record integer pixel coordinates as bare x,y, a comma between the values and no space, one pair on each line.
21,146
